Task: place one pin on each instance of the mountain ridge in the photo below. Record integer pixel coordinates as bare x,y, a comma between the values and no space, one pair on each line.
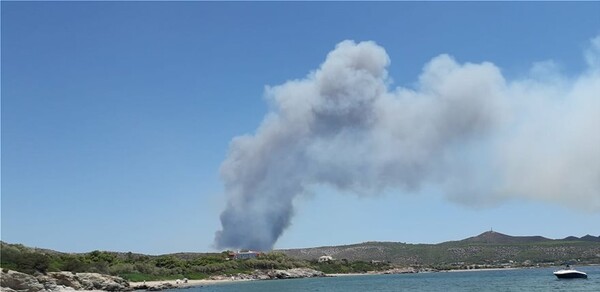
489,247
481,238
487,237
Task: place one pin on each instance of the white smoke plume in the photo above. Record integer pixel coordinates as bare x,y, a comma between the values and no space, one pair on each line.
463,128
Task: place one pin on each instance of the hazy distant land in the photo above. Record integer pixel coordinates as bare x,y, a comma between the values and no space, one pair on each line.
489,249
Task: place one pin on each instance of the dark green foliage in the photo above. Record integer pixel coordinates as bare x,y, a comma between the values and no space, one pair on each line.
358,258
136,267
72,263
169,262
20,259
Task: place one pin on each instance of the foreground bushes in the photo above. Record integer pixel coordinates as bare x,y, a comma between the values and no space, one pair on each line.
141,267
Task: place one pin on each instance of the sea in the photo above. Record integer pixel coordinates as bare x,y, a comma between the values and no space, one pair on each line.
534,279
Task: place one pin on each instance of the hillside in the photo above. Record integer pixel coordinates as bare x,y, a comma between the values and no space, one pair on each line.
139,267
499,238
487,249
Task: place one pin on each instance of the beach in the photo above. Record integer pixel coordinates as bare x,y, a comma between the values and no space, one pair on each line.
535,279
181,283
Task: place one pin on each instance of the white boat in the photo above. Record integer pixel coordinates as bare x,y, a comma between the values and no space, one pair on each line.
569,273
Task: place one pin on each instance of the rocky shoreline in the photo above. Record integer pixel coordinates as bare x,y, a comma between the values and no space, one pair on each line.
274,274
13,281
254,276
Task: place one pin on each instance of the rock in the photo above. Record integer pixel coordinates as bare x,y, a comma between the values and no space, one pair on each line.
142,287
219,277
297,273
48,282
163,286
21,282
66,279
95,281
408,270
260,275
61,281
272,274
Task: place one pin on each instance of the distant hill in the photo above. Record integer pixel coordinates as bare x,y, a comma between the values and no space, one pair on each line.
489,248
584,238
499,238
591,238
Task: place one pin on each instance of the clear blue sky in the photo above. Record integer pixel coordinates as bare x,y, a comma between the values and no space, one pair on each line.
117,116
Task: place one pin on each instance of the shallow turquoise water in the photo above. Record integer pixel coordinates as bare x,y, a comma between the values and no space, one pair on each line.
503,280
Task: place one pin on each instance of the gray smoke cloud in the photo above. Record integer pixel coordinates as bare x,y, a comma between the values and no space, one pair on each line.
463,127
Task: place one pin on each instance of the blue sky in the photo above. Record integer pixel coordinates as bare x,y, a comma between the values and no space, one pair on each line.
117,116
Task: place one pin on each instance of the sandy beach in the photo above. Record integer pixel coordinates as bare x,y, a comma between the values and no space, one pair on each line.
181,284
197,283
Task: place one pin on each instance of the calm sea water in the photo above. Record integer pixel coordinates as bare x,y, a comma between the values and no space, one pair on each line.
503,280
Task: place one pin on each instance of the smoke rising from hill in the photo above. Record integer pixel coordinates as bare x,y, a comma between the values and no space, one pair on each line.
464,128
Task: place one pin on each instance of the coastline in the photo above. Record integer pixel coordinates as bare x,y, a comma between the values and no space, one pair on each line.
174,284
294,273
349,274
149,285
177,284
481,270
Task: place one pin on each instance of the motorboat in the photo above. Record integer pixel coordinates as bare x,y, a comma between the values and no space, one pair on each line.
569,273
